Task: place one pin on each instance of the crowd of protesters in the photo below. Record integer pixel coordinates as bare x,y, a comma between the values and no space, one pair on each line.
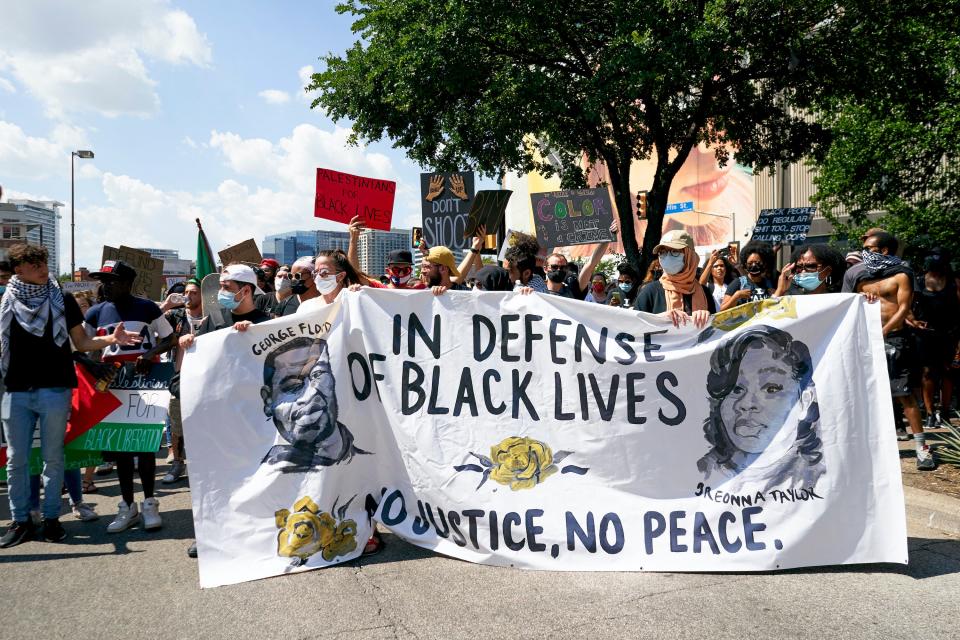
43,332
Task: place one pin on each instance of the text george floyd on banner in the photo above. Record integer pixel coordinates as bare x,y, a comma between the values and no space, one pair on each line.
544,433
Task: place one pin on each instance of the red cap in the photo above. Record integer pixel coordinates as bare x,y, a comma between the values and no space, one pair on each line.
270,262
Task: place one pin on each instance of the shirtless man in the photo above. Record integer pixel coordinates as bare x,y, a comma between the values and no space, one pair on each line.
886,277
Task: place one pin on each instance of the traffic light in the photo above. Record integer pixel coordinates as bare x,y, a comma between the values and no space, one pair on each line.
642,197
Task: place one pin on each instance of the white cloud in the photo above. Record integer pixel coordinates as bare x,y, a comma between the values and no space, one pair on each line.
304,74
274,96
88,56
187,140
7,86
27,157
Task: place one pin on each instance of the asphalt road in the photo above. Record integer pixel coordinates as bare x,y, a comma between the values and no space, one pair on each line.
143,585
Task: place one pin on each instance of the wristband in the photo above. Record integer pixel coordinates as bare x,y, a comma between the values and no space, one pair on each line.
472,250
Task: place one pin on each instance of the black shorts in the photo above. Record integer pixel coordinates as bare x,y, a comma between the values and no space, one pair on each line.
901,363
935,349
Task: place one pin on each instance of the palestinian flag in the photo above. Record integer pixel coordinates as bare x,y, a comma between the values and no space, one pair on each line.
205,263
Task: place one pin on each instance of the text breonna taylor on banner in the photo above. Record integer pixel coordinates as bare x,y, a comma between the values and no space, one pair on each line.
545,433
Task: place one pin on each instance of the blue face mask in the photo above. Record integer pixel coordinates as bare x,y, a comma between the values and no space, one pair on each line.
227,300
671,265
625,286
807,281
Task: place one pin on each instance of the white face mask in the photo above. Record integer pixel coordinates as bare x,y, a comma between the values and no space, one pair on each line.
326,285
671,265
282,284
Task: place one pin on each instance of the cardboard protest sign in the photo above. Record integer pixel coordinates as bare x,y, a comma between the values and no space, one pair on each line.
510,238
544,433
246,252
341,196
784,226
149,281
445,201
565,218
488,209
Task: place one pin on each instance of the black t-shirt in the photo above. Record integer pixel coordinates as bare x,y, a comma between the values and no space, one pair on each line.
653,299
37,362
564,292
757,292
256,317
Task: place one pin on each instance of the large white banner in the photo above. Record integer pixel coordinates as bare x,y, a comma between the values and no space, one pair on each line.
544,433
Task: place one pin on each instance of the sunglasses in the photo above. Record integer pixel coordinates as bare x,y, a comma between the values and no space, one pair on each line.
811,267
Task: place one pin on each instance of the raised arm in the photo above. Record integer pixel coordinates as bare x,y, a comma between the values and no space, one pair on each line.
469,262
586,274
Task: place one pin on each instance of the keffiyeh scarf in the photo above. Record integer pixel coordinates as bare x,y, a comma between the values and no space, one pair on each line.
32,305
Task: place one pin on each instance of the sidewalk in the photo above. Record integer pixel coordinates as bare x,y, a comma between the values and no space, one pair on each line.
938,511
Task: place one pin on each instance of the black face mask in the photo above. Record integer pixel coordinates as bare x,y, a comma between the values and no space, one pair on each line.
557,276
755,269
298,287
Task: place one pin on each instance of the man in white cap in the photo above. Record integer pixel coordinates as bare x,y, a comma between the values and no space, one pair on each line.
238,286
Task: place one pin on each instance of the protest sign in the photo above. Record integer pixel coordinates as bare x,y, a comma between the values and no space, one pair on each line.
149,280
246,252
129,416
510,238
341,196
445,201
784,226
539,432
487,209
80,285
137,422
565,218
416,235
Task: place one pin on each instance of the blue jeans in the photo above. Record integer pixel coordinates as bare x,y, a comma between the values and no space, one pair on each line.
72,478
21,411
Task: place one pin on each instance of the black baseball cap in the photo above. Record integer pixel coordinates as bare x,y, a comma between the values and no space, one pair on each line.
400,256
115,270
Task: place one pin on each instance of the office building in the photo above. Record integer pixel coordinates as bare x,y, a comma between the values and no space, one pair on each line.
286,247
32,222
373,247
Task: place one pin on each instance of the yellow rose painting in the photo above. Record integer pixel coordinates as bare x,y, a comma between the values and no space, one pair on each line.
307,530
519,463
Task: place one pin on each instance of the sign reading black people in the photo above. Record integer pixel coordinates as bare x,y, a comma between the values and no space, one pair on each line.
784,226
564,218
544,433
446,199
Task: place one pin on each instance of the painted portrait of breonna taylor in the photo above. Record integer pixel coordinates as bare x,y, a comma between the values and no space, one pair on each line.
299,394
764,417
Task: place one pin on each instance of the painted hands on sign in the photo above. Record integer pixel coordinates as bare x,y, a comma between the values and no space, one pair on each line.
456,186
436,188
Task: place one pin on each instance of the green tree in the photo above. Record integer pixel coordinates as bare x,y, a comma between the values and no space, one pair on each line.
466,82
896,148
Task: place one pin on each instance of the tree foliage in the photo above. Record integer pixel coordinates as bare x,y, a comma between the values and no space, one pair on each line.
896,148
465,83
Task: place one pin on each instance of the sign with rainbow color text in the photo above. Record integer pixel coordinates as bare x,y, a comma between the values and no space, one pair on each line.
544,433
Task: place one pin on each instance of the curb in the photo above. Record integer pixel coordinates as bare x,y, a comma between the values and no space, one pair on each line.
938,511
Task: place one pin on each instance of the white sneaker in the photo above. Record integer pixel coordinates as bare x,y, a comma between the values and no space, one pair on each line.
175,472
127,516
151,514
84,511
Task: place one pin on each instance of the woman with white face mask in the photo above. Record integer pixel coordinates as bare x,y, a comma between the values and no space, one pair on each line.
332,273
677,294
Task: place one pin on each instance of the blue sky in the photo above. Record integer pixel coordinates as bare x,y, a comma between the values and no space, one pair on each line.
193,109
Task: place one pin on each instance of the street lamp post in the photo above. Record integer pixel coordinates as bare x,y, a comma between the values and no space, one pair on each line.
82,153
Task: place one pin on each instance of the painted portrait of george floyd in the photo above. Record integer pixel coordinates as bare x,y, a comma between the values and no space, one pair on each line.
299,394
764,422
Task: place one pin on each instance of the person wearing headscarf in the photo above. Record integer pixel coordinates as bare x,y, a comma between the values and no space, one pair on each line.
678,293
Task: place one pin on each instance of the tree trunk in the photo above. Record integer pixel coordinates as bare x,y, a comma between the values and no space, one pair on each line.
623,199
